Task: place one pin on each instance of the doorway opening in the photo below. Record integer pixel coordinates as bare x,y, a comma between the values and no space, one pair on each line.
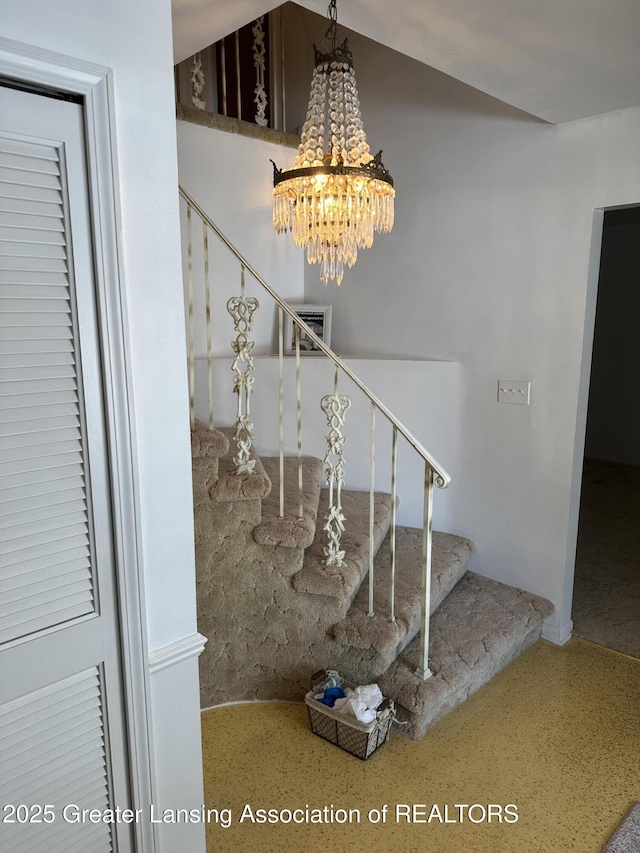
606,600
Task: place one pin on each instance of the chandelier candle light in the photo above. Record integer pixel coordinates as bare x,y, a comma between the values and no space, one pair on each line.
333,200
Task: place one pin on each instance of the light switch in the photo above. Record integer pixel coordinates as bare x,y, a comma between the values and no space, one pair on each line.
514,391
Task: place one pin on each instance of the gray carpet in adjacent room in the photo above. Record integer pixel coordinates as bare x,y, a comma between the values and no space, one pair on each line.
606,601
626,838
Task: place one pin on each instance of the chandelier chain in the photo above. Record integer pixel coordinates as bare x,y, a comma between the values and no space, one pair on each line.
332,32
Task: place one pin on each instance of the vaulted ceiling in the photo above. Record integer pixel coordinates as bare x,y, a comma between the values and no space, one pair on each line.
557,59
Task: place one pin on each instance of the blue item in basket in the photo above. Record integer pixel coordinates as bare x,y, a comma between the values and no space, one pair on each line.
330,696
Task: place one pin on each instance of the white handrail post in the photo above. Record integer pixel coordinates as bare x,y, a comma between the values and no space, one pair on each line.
372,463
281,405
207,287
392,540
423,672
299,412
190,333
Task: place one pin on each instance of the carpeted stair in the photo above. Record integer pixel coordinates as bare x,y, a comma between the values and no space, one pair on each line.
273,612
450,555
292,531
479,628
342,583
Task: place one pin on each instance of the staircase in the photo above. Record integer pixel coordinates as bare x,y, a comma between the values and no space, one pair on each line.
273,613
296,572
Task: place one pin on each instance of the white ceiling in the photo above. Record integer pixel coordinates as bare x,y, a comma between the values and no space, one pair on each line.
556,59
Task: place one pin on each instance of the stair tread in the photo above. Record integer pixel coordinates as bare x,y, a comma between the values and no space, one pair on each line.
290,531
477,631
342,583
208,442
450,555
231,486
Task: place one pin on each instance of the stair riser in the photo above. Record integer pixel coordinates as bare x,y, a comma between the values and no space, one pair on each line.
205,476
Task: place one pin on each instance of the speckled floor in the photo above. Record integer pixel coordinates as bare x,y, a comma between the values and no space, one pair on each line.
606,599
557,734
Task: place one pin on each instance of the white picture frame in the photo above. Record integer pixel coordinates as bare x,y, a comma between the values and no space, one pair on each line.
318,317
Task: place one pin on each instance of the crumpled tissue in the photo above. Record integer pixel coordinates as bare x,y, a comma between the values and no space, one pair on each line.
361,703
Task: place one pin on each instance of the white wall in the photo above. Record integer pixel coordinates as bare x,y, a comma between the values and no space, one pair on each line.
613,425
489,262
133,37
231,178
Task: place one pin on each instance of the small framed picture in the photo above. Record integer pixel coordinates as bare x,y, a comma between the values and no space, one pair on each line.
318,318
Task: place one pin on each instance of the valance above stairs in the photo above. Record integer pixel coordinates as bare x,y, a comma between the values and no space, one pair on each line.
273,612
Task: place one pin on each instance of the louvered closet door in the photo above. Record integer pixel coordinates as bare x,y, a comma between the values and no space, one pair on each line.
62,738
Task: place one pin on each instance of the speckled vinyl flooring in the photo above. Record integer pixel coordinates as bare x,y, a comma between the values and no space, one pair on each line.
557,733
606,597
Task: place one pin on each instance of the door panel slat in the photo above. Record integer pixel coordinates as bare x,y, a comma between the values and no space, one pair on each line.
52,559
40,451
48,577
19,545
81,605
36,463
38,413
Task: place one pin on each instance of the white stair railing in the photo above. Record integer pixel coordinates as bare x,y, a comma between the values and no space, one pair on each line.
335,406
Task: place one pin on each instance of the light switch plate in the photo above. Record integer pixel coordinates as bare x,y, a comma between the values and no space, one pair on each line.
515,391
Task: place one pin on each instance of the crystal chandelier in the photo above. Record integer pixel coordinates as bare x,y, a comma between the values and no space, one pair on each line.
337,195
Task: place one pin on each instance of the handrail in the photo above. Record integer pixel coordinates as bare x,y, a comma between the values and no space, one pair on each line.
442,478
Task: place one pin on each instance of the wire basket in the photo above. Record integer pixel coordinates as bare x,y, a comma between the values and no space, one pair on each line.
348,733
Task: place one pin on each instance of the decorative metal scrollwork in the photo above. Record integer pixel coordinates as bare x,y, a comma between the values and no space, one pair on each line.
259,50
197,81
335,408
242,309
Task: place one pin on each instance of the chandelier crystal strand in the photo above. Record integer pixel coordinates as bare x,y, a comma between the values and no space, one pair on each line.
337,195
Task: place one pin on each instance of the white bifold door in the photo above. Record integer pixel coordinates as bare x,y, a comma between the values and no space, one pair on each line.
62,721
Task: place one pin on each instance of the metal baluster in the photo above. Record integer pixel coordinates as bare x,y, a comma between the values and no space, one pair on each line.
299,408
423,672
238,85
259,92
284,103
335,408
394,461
242,309
281,403
207,286
223,76
372,461
192,377
197,81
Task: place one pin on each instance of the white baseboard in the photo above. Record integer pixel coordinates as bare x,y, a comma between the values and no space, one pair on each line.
174,653
557,635
252,702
